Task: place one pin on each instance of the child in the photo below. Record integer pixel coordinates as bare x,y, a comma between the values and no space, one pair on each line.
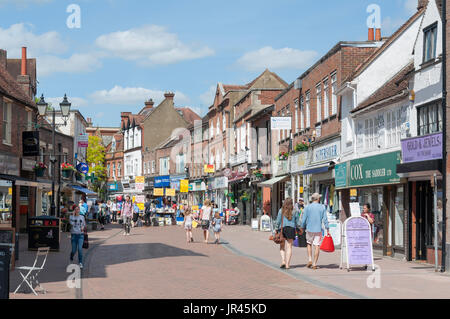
188,224
217,226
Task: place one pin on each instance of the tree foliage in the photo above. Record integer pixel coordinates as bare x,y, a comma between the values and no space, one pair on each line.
96,159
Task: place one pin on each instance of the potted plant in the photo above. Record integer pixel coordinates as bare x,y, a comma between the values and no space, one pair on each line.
67,170
257,172
245,196
302,147
283,156
39,169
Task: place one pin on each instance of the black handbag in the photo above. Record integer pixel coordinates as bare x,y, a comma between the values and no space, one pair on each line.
86,241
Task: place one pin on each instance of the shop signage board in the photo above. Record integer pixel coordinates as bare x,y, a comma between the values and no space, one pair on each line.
158,192
83,168
28,165
380,169
326,152
298,162
220,182
357,240
30,143
162,181
340,173
355,209
422,148
209,169
184,186
280,123
139,198
170,192
139,183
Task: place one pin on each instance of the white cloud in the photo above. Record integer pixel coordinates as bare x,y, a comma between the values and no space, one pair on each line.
207,98
277,59
410,6
21,34
150,45
23,3
77,102
133,95
76,63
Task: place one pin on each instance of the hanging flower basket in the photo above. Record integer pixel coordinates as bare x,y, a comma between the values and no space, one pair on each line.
39,169
302,147
283,156
67,170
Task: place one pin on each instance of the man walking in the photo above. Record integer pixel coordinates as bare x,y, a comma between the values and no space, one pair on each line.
312,219
127,214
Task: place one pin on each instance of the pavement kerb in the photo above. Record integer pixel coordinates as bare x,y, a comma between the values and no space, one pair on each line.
85,273
296,275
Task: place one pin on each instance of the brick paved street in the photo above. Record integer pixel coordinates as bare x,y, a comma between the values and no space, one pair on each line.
156,262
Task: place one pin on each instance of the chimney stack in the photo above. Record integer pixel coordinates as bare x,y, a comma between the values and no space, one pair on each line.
149,104
23,70
371,36
169,95
3,59
378,34
421,4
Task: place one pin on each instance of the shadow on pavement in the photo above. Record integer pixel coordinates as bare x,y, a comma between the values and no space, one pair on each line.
107,255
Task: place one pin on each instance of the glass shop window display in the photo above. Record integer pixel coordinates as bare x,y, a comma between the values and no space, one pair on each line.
374,197
5,203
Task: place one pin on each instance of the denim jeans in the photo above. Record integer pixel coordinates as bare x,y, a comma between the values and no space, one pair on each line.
77,244
127,223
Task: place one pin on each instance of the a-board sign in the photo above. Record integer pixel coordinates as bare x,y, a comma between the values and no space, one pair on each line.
358,242
8,240
355,210
5,257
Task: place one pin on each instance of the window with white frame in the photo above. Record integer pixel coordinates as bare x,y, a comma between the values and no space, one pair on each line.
430,119
7,122
119,169
308,113
319,102
296,116
153,167
164,166
429,43
333,94
224,122
393,127
243,137
369,134
114,170
326,96
302,110
29,120
218,127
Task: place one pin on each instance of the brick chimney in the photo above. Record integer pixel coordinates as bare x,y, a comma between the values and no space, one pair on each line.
169,95
24,78
3,59
371,36
421,4
149,104
378,34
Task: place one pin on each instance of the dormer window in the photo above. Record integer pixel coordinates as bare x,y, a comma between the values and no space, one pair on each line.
429,43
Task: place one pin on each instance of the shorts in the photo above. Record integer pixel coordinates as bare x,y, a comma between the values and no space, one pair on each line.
313,238
205,224
289,232
188,226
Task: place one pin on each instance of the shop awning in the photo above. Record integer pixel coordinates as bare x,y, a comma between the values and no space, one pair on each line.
82,189
273,181
317,170
236,177
424,169
21,181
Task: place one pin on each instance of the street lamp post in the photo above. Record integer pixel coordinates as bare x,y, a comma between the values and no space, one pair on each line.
43,109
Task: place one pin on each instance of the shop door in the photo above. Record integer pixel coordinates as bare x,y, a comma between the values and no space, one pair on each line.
424,197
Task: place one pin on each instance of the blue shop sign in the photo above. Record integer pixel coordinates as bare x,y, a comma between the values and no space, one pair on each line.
175,181
83,168
162,181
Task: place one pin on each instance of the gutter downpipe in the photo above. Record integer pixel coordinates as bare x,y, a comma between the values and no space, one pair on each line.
444,127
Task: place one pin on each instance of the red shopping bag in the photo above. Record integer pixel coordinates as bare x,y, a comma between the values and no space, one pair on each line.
327,244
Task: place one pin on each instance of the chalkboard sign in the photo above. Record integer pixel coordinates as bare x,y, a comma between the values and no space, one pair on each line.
5,257
8,241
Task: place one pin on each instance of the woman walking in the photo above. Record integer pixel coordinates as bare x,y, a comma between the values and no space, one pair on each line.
127,214
77,234
188,224
205,217
289,221
114,211
217,226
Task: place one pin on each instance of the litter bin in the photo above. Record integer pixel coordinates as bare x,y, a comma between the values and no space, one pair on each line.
5,260
44,231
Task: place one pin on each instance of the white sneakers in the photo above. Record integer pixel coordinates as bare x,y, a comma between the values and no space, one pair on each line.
81,266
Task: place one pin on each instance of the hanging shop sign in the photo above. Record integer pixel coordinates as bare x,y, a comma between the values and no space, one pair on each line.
220,182
83,141
170,192
158,192
280,123
140,183
209,169
327,152
175,181
184,186
28,165
380,169
423,148
30,143
83,168
162,181
340,175
113,187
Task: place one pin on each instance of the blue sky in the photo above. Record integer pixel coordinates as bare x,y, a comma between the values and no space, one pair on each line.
128,51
